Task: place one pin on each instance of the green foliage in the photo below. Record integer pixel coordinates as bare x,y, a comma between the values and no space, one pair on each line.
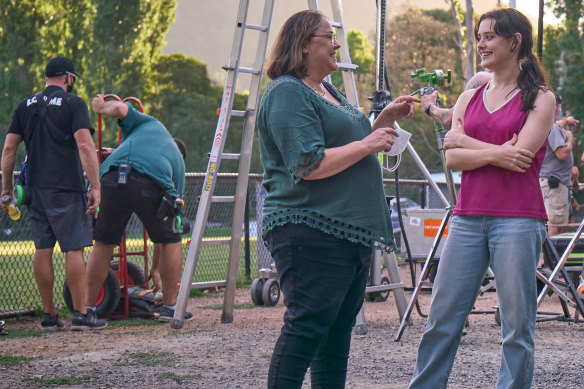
117,48
440,14
563,58
408,48
362,55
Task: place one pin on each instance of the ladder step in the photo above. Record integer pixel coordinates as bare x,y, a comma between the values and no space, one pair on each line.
347,66
227,156
235,112
230,156
256,27
383,288
208,284
223,199
215,241
336,24
243,69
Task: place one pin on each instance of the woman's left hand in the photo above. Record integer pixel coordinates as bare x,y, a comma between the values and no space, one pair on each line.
400,108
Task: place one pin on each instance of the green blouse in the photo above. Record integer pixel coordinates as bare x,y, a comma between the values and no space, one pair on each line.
295,127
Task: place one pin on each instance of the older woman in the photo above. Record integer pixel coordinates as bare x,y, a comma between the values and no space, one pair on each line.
326,208
498,141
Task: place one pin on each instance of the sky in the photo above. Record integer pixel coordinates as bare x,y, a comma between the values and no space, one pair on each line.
531,7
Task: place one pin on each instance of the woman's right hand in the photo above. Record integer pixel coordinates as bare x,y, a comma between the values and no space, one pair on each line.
380,140
509,157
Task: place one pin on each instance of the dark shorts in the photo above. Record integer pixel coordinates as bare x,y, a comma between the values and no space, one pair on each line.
59,216
140,195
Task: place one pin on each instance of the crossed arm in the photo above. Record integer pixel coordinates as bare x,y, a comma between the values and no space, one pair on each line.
466,153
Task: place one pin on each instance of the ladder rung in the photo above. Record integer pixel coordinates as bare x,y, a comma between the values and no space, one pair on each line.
227,155
242,69
383,288
347,66
336,24
208,284
223,199
230,156
236,112
256,27
215,241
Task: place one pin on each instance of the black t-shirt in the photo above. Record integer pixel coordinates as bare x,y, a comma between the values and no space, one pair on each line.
53,157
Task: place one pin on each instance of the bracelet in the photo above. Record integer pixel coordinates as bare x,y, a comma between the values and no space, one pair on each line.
427,109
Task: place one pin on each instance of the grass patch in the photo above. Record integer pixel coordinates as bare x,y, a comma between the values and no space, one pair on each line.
180,378
23,333
151,359
266,356
236,306
133,322
10,360
59,381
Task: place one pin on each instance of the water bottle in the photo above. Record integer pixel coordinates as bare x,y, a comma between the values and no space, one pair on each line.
11,207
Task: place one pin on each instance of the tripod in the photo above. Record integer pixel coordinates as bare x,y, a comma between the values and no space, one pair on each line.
432,79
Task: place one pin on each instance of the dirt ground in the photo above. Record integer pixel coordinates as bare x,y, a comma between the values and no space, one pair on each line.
209,354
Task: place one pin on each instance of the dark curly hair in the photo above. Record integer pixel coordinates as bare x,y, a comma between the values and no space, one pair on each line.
532,78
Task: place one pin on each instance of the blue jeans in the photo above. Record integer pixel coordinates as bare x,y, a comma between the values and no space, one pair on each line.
511,246
323,281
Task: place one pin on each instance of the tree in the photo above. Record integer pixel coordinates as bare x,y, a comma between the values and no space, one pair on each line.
416,40
32,32
112,44
563,57
362,55
185,100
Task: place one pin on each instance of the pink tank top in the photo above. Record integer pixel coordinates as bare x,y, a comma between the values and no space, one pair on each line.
491,190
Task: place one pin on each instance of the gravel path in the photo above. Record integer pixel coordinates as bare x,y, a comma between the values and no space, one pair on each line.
209,354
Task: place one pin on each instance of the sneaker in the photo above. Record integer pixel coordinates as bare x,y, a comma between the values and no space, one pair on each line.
87,322
50,322
167,314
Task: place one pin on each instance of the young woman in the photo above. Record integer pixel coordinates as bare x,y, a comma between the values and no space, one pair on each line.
498,141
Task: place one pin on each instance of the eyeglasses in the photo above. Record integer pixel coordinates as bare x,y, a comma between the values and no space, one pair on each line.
332,37
72,75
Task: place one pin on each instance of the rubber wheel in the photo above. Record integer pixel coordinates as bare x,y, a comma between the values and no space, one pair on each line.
377,297
270,292
382,296
136,274
107,300
256,291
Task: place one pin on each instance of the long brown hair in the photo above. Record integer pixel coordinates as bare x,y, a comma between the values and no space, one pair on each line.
286,56
532,78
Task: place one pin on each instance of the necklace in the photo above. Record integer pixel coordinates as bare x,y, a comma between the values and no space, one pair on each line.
320,93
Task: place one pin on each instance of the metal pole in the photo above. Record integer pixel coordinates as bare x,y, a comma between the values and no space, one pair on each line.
246,234
540,32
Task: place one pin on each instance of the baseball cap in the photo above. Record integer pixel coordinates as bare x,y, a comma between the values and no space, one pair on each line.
59,66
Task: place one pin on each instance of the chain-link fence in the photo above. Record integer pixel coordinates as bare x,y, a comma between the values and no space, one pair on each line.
19,293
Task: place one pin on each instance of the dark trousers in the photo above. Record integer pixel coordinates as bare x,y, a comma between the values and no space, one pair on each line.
323,281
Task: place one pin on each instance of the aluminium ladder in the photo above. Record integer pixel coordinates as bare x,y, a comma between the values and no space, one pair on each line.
239,199
244,157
